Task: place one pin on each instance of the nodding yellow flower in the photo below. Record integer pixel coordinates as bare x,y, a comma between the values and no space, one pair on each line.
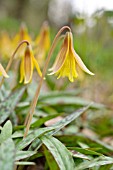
20,36
5,45
27,65
3,72
42,43
67,61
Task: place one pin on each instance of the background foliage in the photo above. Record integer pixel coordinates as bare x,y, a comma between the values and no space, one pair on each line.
81,135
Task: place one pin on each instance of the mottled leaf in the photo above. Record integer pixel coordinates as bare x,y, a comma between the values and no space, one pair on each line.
68,119
60,153
6,131
102,160
24,154
24,163
86,151
7,154
7,106
32,136
40,121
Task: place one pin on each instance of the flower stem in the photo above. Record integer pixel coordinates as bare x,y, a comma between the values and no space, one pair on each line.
35,99
11,59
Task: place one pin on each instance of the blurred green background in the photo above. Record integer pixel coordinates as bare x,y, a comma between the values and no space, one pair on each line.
93,37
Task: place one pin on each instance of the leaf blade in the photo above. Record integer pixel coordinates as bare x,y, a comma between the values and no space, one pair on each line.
62,156
7,153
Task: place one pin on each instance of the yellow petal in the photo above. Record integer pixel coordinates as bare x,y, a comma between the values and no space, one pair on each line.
3,71
43,39
59,61
77,58
61,56
22,73
81,64
37,66
24,33
47,39
40,56
68,69
28,66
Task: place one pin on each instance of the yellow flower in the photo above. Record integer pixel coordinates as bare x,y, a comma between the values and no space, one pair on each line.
5,45
20,36
67,60
3,72
42,43
27,65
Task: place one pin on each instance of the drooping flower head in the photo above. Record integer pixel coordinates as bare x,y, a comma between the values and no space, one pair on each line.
42,43
3,72
27,65
67,61
20,36
5,45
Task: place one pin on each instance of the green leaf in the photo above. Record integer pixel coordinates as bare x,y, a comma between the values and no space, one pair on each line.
17,134
62,101
68,119
7,106
106,167
50,159
50,130
86,151
102,160
19,127
4,113
32,136
102,144
24,154
7,153
6,131
24,163
35,145
69,141
4,92
59,125
14,98
59,152
43,120
81,156
58,94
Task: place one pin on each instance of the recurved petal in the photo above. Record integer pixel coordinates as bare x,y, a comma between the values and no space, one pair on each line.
3,71
80,63
37,66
